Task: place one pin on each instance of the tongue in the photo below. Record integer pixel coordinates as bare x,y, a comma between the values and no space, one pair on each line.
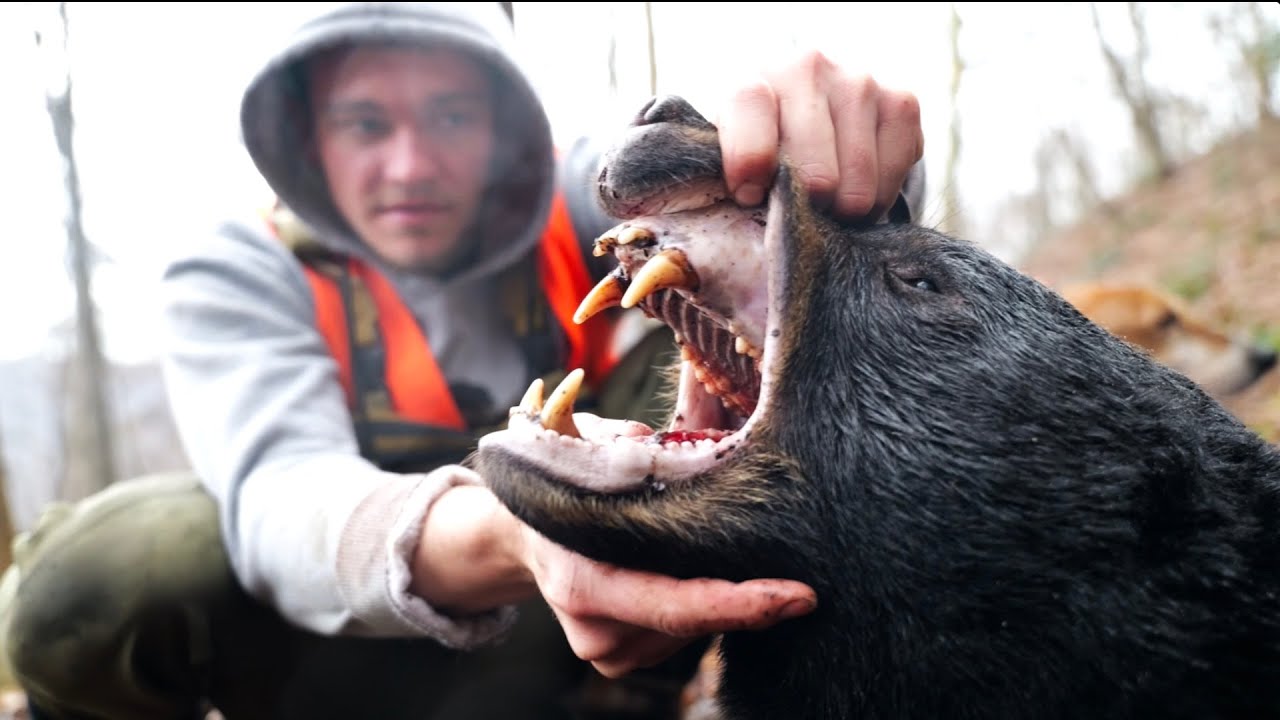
689,435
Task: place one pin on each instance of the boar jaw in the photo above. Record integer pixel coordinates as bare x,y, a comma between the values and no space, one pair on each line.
710,273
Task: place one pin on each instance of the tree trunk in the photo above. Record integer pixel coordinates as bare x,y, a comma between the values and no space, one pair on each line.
950,183
653,55
1131,84
6,516
91,465
1262,57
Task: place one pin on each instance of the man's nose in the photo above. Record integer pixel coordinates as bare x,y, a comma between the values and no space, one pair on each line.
412,157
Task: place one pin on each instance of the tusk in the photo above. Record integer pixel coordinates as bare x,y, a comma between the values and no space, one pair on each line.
557,414
606,294
667,269
633,234
532,401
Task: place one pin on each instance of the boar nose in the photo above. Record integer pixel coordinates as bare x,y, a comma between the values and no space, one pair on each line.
1263,359
672,109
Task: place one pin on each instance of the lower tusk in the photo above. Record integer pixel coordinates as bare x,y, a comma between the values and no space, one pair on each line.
557,414
532,401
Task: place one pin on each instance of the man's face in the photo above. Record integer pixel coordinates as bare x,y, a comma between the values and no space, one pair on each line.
404,137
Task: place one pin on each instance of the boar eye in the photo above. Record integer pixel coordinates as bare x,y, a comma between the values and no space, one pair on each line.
921,283
910,279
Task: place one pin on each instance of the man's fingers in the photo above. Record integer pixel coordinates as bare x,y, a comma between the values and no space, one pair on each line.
689,608
650,651
620,620
600,640
749,142
900,145
807,134
616,650
854,112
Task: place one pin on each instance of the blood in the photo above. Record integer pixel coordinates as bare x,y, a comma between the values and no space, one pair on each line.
683,436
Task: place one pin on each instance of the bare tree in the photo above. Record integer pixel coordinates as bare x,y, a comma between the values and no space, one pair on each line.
1244,29
6,517
612,61
950,185
1130,80
653,54
1084,177
1040,203
1263,58
89,419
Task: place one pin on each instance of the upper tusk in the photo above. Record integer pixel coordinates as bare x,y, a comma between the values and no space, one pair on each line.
606,294
668,269
632,234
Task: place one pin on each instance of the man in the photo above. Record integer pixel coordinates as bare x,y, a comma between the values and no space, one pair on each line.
330,367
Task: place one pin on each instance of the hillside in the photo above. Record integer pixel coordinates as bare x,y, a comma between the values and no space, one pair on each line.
1209,234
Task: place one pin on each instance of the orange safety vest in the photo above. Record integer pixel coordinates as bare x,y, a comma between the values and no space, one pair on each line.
409,406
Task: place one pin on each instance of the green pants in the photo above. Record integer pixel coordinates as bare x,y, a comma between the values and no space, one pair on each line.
124,606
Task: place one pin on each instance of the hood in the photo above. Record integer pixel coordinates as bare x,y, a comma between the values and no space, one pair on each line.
274,124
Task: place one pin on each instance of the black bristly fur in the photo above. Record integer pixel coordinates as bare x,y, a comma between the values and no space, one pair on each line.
1032,519
1006,512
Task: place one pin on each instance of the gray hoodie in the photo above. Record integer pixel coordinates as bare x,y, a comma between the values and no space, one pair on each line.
311,527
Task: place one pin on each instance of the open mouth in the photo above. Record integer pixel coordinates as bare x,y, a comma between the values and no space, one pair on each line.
703,272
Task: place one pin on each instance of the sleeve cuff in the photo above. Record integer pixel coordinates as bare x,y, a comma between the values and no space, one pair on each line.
373,565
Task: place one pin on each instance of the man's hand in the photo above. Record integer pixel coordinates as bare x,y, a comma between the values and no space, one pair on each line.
474,555
621,620
852,140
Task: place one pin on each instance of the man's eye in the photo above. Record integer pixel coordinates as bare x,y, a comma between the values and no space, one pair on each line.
371,126
456,119
367,126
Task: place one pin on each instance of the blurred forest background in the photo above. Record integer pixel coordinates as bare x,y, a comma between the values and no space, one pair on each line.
1125,141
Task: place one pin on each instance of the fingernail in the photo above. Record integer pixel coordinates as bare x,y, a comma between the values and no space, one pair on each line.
796,608
749,194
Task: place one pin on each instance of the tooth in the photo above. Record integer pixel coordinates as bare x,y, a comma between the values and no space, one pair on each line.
557,414
632,234
685,353
741,345
532,401
605,294
604,244
667,269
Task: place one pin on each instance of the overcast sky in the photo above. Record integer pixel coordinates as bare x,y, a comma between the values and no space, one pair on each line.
157,86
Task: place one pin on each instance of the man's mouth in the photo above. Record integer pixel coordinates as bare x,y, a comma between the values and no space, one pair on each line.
411,212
